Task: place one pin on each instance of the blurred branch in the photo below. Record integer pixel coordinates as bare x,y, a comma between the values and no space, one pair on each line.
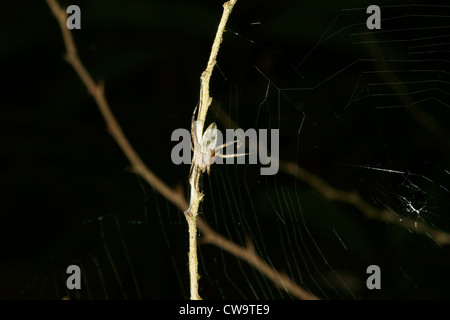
97,92
354,199
351,198
175,196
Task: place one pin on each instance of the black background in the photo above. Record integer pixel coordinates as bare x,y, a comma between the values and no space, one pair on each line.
60,170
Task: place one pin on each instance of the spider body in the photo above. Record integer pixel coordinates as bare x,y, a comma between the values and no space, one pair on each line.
205,150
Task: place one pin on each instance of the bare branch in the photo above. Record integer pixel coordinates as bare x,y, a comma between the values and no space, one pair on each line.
175,196
196,194
354,199
351,198
248,254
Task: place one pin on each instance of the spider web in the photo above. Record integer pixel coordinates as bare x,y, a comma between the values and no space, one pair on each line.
364,110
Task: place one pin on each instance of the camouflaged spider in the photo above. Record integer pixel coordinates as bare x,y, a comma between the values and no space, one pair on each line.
205,150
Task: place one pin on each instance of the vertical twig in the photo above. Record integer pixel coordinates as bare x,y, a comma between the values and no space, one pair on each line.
196,195
176,197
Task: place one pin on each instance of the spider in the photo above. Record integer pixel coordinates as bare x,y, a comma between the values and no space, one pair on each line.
205,150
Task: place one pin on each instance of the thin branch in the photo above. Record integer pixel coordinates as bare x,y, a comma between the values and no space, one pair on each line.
205,99
351,198
173,195
196,194
97,92
354,199
248,254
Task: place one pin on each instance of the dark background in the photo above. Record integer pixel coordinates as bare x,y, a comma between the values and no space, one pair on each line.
67,197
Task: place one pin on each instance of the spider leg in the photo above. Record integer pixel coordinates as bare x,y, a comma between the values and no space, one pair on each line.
194,136
228,155
234,155
225,144
193,140
190,171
